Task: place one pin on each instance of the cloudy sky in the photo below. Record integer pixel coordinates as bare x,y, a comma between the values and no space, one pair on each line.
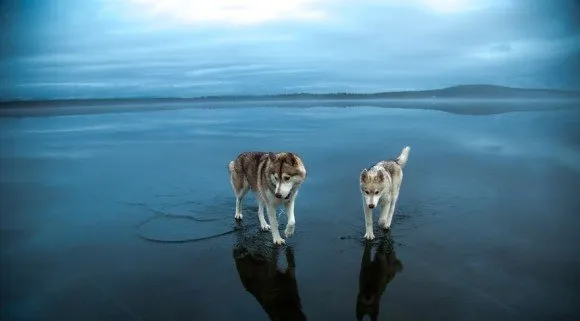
185,48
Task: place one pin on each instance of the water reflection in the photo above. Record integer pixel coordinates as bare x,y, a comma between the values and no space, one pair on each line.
375,275
275,288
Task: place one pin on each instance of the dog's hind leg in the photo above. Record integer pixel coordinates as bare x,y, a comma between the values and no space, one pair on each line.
264,226
385,203
240,187
239,198
392,206
397,181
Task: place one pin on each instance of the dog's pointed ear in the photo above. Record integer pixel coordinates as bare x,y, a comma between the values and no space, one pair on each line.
292,159
381,176
272,156
364,175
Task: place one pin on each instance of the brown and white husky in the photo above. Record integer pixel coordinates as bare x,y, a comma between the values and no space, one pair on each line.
275,180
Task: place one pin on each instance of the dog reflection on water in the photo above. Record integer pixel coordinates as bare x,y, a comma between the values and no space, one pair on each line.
276,290
374,277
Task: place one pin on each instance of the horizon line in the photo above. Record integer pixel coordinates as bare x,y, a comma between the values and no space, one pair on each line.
337,93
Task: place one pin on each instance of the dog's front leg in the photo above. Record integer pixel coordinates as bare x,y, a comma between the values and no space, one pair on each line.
263,224
369,235
271,209
289,231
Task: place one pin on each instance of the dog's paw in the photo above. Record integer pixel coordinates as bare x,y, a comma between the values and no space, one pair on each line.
370,236
264,227
383,225
289,231
279,241
238,216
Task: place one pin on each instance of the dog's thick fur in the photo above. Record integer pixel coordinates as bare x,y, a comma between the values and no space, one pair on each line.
275,290
374,277
380,185
275,179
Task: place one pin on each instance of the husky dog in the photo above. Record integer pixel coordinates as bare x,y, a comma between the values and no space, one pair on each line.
275,289
275,179
374,277
380,185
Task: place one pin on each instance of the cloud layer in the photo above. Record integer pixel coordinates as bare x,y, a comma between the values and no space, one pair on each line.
178,48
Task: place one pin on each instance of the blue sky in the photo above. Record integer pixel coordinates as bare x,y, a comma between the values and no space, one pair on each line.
184,48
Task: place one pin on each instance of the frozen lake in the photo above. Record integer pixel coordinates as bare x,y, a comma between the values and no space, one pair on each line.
486,226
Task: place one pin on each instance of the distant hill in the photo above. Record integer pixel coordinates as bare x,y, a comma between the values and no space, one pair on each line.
482,92
462,92
485,92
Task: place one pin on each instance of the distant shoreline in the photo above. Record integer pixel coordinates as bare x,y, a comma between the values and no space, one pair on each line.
462,92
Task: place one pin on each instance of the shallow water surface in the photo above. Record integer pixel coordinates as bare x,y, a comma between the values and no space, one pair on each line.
101,216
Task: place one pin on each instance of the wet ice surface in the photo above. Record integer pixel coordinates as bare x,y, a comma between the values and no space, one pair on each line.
486,226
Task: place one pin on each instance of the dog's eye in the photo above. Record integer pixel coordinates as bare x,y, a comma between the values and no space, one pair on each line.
286,178
367,192
376,192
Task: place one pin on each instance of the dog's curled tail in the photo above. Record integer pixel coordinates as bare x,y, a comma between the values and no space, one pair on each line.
402,159
231,166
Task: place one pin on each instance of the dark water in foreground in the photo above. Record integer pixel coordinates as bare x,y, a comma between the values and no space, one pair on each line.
486,226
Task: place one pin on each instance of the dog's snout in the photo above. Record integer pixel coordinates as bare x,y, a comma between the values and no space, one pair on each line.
278,195
371,205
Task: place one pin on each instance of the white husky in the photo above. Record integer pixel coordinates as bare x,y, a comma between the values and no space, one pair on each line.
380,185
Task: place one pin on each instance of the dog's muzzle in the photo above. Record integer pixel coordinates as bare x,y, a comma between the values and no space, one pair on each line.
278,195
371,205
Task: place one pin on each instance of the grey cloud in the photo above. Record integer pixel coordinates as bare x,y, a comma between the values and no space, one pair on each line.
364,46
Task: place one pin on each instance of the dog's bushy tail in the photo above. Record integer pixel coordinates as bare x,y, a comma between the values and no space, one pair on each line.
402,159
231,166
